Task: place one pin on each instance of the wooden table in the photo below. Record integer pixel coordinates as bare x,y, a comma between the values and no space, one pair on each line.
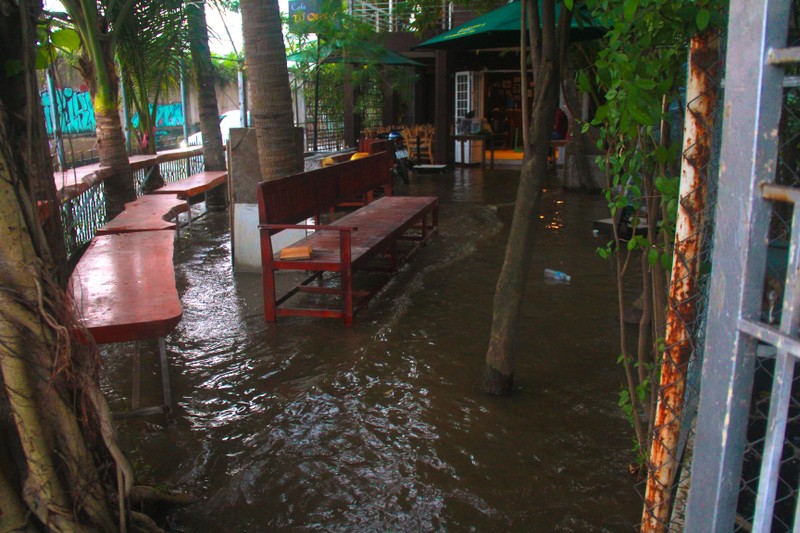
123,289
147,213
194,184
199,183
484,139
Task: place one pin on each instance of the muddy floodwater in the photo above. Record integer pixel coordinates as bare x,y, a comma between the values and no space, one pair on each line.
306,425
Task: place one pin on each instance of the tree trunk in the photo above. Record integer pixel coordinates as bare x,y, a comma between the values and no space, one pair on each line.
582,143
111,147
48,477
58,456
498,376
271,105
213,150
96,65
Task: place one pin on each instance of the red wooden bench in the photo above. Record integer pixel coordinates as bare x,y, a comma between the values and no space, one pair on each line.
194,185
123,289
147,213
350,244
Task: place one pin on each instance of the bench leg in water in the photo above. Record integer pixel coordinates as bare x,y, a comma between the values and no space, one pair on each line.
162,352
346,277
166,408
136,379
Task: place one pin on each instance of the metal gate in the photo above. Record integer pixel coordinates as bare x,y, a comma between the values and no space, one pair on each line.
746,464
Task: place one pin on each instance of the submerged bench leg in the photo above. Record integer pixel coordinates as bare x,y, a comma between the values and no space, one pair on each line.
136,379
162,351
268,284
346,277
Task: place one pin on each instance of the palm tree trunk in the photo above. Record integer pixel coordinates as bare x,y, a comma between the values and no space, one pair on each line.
271,104
113,153
213,150
96,65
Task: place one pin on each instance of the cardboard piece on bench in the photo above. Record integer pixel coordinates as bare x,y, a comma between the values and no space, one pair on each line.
296,252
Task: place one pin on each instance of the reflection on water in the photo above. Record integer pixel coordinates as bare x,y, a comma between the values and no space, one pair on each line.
308,425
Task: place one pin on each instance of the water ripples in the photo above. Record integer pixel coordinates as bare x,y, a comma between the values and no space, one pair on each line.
308,425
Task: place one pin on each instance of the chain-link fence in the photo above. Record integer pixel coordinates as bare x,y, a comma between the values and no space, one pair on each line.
741,472
760,424
670,454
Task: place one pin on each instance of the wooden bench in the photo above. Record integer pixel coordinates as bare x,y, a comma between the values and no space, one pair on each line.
194,185
147,213
123,289
350,244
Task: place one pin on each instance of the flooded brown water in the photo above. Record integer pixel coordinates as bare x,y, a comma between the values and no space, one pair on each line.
310,426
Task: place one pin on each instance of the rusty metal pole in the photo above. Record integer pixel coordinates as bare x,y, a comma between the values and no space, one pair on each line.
682,312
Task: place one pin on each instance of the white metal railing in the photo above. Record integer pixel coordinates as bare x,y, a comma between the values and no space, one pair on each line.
399,16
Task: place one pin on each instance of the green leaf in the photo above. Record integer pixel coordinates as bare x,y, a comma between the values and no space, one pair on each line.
668,187
44,56
66,38
640,116
568,3
703,17
637,241
582,81
666,262
661,154
630,9
652,257
646,84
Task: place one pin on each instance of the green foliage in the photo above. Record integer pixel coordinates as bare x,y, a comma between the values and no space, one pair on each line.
638,74
150,52
342,48
226,69
51,40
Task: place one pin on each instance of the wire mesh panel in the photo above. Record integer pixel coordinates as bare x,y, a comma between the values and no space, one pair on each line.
771,462
668,480
745,471
81,216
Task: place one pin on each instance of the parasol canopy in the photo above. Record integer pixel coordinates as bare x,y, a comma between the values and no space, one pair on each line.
500,29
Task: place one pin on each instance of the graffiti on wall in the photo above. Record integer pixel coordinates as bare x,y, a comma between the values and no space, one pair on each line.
76,114
75,110
167,115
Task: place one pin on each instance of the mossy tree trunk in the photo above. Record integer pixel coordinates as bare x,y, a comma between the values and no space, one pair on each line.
60,468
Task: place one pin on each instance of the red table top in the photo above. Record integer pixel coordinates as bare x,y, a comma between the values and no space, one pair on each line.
124,287
146,213
195,184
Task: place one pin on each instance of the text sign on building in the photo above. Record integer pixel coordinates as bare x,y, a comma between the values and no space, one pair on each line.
303,11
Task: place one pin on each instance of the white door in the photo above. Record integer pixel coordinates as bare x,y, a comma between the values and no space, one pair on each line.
469,98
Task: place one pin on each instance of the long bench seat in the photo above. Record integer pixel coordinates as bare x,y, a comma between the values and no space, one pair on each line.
346,246
194,185
123,289
147,213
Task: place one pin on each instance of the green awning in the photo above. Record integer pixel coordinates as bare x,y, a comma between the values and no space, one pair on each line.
500,29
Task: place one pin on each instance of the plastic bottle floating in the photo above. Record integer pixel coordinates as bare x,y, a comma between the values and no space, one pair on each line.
556,275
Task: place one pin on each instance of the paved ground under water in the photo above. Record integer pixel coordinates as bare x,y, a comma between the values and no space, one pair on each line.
308,425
